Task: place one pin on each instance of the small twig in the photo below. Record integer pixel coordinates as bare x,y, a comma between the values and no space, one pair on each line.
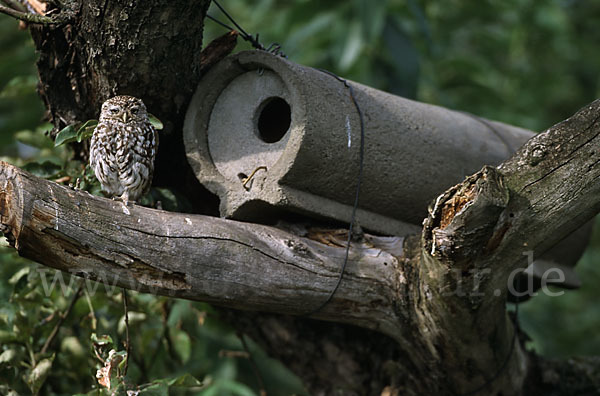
128,347
166,311
218,49
60,19
261,383
92,314
233,354
15,5
62,319
63,179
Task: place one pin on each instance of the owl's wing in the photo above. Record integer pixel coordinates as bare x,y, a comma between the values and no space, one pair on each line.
93,151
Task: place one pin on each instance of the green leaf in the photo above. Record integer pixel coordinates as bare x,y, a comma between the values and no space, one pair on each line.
72,347
186,380
19,281
372,15
66,135
182,344
133,319
6,337
101,340
156,123
45,170
159,388
8,357
19,86
38,375
353,47
404,58
222,387
86,130
35,138
18,275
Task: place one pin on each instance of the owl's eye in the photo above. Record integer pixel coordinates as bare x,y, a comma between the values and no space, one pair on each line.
114,110
135,110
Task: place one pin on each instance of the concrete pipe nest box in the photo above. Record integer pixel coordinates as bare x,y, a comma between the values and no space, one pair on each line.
268,135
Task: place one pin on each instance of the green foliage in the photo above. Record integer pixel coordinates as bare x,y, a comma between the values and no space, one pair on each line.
75,133
20,108
156,123
80,132
179,341
566,324
523,62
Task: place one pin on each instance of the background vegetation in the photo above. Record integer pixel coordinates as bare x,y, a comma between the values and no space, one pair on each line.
523,62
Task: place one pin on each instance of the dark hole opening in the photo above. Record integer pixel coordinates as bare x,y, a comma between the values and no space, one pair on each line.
274,120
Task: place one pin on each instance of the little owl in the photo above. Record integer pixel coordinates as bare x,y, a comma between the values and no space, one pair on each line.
123,148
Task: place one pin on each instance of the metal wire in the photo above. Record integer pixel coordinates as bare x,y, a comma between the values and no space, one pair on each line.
274,48
361,158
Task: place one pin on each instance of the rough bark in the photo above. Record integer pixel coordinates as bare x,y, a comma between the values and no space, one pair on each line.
149,49
447,330
440,297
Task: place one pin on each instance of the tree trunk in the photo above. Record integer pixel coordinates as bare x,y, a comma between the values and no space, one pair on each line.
148,49
439,297
424,315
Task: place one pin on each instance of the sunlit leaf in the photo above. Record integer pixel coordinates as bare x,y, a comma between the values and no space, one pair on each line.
133,318
9,357
23,272
72,346
156,123
102,339
38,375
353,46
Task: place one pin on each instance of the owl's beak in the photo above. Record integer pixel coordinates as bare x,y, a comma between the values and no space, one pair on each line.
125,117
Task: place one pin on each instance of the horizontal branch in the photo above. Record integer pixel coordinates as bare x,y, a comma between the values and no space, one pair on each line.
441,297
228,263
58,19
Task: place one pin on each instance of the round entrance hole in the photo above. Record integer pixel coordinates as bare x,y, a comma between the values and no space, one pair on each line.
274,120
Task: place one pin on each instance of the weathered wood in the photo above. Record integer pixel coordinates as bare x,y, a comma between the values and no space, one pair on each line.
441,297
476,236
150,49
229,263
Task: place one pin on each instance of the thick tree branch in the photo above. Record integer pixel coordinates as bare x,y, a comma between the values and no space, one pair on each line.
441,297
233,264
476,236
